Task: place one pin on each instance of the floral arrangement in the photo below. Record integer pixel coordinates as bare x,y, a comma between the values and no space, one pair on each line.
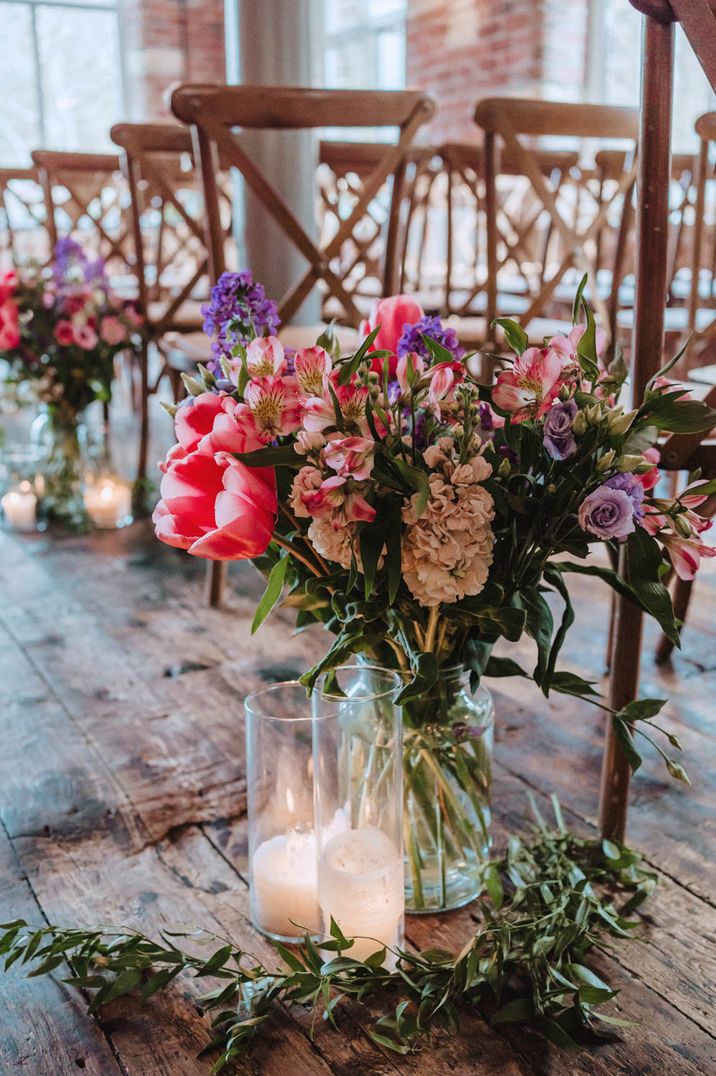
419,515
61,327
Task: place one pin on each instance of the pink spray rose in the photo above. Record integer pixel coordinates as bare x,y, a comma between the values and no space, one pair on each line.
85,337
112,331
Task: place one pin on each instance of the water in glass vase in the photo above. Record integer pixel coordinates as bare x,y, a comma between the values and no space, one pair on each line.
447,757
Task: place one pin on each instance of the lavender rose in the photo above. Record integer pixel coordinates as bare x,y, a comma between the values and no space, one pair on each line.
558,437
633,489
608,513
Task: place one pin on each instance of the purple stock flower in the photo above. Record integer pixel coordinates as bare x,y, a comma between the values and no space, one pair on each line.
557,434
633,489
608,513
238,311
412,338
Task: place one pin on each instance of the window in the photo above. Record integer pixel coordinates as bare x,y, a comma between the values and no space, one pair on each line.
61,77
365,44
618,68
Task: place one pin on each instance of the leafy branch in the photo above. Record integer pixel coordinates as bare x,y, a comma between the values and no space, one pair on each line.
548,902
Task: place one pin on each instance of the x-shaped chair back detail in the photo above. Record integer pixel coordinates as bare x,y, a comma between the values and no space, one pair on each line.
167,218
524,231
95,209
513,121
23,232
217,112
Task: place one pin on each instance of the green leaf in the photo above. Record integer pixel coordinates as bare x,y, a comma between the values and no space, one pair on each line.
578,299
625,737
519,1009
669,412
271,456
639,709
539,624
643,563
504,667
568,683
515,335
272,594
349,368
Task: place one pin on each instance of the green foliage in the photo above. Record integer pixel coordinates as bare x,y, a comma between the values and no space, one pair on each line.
549,900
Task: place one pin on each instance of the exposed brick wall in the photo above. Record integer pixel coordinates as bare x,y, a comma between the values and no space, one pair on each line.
166,42
461,50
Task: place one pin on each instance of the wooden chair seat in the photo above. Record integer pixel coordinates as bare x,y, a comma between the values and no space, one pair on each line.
703,375
676,319
188,318
473,332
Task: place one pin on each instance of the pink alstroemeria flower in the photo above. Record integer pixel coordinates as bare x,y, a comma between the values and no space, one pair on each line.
312,366
331,498
274,405
319,413
265,357
412,358
443,378
351,457
651,477
685,553
530,387
567,345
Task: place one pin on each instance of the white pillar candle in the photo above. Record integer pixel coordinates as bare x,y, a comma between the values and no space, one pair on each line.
361,886
108,502
284,885
19,507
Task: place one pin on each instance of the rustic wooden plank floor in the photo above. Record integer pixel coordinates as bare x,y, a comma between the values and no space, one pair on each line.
122,800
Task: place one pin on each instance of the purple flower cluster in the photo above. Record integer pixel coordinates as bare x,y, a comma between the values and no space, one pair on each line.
412,338
611,510
68,254
557,433
238,311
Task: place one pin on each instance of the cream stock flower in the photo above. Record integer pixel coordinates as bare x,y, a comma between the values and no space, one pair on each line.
333,543
447,552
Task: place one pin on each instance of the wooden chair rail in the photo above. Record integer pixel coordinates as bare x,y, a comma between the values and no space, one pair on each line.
556,118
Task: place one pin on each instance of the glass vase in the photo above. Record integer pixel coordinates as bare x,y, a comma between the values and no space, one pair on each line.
357,763
61,434
447,760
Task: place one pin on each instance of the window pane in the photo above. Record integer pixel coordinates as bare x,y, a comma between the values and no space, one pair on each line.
19,129
81,84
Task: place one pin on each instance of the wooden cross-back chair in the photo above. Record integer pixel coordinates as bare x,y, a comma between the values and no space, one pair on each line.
515,124
169,244
217,113
23,232
85,199
523,230
701,320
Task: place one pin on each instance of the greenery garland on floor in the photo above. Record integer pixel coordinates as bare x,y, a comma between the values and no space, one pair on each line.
549,900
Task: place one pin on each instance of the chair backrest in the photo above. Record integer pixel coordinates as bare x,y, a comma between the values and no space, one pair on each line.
167,206
23,233
85,199
218,112
575,222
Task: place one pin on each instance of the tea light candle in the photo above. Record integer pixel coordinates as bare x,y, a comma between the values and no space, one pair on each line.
284,885
360,885
19,506
109,502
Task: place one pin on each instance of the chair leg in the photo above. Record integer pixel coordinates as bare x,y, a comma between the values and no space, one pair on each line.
216,571
143,430
681,599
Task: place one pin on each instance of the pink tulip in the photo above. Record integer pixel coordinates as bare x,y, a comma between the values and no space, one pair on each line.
531,386
216,507
392,315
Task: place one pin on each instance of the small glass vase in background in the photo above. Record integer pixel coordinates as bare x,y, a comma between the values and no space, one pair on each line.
61,435
279,778
359,808
447,757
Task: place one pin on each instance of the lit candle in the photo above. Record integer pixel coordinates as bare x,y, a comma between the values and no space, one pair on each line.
109,502
284,885
360,885
19,506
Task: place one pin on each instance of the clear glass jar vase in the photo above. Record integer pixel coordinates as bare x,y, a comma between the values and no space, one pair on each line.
447,760
61,435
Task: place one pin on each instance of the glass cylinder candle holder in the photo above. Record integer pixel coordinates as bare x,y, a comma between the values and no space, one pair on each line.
21,487
108,500
357,758
282,844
